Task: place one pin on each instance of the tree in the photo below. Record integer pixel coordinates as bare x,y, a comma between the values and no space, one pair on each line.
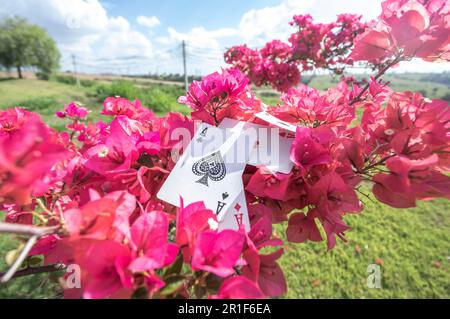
23,44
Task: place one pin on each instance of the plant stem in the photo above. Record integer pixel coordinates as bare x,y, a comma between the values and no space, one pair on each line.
37,270
21,229
380,73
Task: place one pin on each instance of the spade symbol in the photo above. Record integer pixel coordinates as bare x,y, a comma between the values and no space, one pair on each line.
210,167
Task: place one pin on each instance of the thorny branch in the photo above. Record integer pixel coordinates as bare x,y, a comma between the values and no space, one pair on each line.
19,229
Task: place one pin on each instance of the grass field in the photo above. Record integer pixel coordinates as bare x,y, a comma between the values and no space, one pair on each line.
411,246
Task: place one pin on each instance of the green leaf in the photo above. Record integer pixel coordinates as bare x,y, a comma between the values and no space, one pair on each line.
173,283
35,260
140,293
176,266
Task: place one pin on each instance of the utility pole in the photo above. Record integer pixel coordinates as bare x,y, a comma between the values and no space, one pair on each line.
183,45
74,61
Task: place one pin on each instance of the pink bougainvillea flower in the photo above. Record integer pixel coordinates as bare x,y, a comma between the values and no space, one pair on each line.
150,245
307,152
351,149
27,154
192,220
44,245
406,29
117,153
218,253
149,143
263,268
307,106
333,198
331,193
409,180
372,46
221,95
101,218
120,106
12,119
272,185
312,45
173,129
143,183
238,287
302,228
104,269
72,110
18,214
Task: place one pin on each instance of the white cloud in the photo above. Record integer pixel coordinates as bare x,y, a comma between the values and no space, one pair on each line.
197,37
118,24
258,26
149,22
82,27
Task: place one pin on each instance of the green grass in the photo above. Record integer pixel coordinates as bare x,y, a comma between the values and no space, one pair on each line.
35,286
412,245
47,97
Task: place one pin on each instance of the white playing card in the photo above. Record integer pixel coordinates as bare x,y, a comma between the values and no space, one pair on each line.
272,150
213,176
236,215
269,118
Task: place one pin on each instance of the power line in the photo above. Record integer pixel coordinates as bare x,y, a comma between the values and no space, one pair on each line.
162,59
205,57
205,49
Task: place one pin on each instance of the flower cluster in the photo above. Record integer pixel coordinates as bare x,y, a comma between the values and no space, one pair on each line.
96,183
407,29
313,45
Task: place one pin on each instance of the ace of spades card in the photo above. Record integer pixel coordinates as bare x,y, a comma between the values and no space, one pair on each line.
208,170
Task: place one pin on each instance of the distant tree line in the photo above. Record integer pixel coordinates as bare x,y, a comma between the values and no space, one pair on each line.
443,78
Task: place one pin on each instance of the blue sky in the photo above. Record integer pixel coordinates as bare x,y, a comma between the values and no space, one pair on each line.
188,14
136,36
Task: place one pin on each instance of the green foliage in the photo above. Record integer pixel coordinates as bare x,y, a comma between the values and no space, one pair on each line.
70,79
121,88
23,44
66,79
159,98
